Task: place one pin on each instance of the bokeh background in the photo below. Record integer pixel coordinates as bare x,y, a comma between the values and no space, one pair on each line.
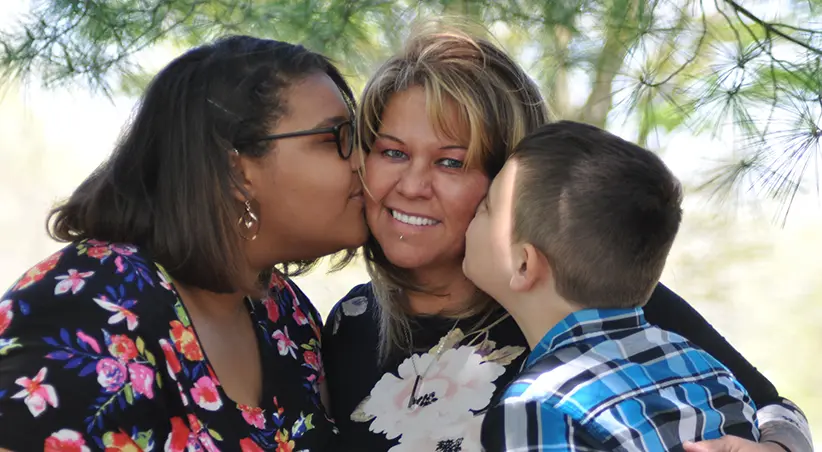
751,268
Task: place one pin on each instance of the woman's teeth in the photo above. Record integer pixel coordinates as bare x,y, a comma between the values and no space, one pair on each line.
412,220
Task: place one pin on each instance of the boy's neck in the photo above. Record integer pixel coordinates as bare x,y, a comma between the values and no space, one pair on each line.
538,311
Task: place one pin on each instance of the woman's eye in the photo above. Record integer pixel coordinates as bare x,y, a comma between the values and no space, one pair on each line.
451,163
393,154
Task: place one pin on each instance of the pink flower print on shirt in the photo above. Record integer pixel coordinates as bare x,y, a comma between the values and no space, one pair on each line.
185,341
65,440
311,360
85,338
38,272
172,361
205,394
122,347
120,313
272,309
99,252
6,314
111,374
248,445
284,343
298,315
72,282
142,379
35,394
177,440
253,415
120,442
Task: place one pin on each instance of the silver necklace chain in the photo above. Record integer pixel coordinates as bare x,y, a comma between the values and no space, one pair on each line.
418,381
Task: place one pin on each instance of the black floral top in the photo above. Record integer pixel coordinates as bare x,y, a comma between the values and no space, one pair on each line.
97,352
435,399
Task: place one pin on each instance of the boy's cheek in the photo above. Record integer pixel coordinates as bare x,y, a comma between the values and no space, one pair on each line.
475,253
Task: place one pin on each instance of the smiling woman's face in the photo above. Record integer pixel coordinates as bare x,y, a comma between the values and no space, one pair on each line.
422,200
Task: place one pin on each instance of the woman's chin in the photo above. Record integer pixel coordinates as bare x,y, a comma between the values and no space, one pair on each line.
409,259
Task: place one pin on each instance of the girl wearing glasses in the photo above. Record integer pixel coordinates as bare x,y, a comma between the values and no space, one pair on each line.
158,325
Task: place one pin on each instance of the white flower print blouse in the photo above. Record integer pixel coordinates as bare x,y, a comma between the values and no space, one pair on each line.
370,401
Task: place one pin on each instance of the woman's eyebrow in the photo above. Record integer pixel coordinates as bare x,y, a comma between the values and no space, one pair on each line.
390,137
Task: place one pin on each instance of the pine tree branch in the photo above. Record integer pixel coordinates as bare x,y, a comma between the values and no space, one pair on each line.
690,59
770,27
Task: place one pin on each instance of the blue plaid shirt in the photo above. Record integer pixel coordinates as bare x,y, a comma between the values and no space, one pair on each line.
608,380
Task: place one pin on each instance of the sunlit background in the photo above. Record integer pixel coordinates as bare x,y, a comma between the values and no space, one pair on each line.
759,282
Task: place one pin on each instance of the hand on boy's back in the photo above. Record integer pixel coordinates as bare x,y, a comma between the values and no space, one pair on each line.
731,444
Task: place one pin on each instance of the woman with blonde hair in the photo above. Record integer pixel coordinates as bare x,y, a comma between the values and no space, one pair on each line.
416,356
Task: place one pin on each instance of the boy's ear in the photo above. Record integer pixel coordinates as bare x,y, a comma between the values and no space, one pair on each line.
530,267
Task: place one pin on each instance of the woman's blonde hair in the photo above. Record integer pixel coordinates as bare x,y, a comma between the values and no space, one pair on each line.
495,100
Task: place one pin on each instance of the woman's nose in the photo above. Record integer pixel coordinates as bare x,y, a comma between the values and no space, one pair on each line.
415,182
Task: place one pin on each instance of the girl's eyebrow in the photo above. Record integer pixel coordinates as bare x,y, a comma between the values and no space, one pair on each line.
330,122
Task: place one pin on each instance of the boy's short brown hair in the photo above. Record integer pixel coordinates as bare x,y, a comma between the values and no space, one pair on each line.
603,210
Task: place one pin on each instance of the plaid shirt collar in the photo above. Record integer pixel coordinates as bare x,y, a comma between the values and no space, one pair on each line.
586,324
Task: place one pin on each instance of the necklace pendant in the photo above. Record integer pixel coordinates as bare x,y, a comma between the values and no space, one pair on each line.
412,401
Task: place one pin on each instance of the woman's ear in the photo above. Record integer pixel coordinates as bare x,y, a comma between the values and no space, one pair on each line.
531,267
241,173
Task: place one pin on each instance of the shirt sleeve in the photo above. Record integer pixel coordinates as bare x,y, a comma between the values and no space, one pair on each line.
77,370
531,426
785,424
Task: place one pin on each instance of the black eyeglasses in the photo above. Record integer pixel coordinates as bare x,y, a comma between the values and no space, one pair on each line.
343,136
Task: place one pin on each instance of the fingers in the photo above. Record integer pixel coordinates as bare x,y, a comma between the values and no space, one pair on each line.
704,446
727,444
724,444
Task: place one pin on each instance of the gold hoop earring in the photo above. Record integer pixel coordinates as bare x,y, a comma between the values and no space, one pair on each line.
249,222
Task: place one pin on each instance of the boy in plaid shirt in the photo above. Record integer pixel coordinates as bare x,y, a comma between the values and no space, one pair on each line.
571,240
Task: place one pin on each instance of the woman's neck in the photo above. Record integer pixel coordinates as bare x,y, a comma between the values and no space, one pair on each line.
210,304
447,291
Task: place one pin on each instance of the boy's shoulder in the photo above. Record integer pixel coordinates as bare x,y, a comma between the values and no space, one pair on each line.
606,369
641,379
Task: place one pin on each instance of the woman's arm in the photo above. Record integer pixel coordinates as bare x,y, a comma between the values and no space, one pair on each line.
780,421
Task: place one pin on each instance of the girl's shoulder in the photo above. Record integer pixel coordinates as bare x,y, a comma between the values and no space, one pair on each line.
81,260
114,276
91,286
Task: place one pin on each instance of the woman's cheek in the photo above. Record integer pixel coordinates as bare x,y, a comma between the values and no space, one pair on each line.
380,176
